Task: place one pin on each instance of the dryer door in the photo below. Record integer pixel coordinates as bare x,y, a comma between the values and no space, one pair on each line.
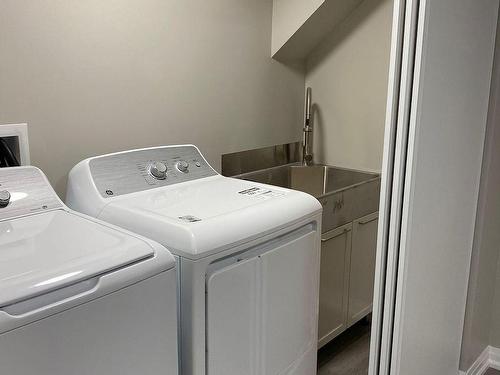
262,310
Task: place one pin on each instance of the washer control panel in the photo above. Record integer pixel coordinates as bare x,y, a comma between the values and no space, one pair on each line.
24,191
137,170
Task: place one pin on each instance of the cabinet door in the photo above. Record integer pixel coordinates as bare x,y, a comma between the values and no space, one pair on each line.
362,267
335,247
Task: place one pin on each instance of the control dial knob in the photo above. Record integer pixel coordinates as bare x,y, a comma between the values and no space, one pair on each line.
4,198
182,166
158,170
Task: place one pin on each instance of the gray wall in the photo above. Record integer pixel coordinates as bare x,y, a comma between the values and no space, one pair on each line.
482,326
495,313
95,76
348,73
490,240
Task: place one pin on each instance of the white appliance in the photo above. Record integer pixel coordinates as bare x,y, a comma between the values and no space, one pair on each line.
248,255
78,296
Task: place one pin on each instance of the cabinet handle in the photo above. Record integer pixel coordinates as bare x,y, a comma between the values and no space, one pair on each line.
363,222
338,234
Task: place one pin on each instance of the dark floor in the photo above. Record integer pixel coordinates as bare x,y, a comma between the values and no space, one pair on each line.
348,353
492,371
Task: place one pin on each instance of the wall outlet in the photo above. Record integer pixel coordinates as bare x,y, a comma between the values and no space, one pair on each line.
16,136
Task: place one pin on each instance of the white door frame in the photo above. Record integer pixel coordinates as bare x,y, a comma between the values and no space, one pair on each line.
440,73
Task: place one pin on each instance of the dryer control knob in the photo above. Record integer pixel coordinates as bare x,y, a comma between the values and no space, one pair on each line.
182,166
158,170
4,198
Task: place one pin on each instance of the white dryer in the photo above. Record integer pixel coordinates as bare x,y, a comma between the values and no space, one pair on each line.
78,296
248,255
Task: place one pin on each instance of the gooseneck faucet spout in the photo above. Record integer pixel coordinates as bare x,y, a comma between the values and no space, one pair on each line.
307,154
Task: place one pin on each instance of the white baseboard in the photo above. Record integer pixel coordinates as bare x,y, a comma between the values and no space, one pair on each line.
490,357
495,358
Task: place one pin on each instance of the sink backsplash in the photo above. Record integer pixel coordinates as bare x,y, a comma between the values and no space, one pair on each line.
261,158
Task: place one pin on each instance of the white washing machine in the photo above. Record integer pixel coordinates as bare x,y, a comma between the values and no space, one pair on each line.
78,296
248,255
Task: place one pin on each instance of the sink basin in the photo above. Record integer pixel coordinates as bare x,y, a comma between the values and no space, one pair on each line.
345,194
316,180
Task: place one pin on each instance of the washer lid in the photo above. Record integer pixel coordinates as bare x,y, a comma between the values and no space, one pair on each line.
198,218
46,251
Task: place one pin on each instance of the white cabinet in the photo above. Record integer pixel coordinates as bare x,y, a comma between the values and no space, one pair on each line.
347,276
335,249
362,267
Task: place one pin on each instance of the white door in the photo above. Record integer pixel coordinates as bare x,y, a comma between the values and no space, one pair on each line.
441,61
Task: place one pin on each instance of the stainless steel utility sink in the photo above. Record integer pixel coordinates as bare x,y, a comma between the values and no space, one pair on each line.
345,194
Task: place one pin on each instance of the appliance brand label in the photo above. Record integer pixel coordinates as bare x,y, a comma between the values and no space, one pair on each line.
261,193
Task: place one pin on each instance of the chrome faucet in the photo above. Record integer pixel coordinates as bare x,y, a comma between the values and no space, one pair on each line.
307,154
